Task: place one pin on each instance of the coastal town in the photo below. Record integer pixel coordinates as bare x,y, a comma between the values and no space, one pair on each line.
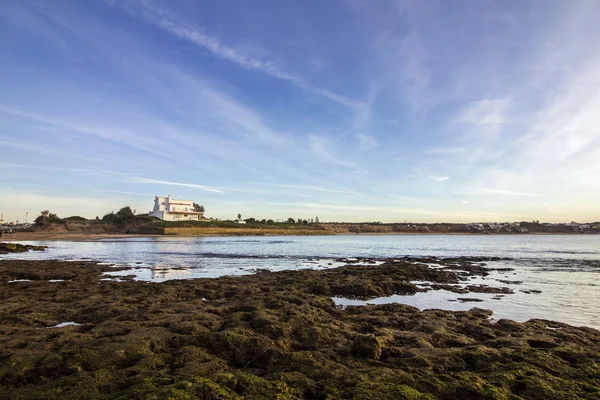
190,217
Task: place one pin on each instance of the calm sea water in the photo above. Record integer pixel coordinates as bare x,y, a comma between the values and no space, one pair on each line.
565,268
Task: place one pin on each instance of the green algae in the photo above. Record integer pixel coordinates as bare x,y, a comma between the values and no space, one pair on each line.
272,336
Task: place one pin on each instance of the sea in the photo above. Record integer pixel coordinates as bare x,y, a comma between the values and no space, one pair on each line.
560,274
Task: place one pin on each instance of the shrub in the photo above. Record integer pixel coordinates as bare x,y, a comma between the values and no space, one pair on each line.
122,215
47,217
75,218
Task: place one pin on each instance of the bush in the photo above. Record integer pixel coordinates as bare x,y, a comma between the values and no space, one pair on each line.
47,217
75,218
122,215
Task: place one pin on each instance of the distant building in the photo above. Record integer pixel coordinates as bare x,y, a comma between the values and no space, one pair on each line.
169,209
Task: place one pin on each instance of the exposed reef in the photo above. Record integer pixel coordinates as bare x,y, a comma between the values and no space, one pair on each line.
275,335
6,248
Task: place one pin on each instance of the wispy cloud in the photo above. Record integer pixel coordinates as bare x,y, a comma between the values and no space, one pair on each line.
304,187
487,191
173,183
112,133
166,20
438,178
491,113
225,105
419,174
323,150
451,150
318,189
146,195
213,189
98,171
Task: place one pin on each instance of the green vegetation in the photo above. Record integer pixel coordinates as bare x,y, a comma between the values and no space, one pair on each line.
6,248
121,216
75,218
274,335
251,223
46,217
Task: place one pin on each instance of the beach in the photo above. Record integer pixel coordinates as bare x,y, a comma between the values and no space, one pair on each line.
71,331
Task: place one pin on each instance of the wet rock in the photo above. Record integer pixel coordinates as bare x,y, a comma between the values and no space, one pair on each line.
469,300
367,346
488,289
509,282
6,248
275,335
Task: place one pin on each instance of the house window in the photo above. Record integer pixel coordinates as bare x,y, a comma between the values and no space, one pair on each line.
185,215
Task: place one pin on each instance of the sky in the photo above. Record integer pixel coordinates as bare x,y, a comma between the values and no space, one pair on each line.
349,110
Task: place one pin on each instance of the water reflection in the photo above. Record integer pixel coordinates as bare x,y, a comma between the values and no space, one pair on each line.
566,269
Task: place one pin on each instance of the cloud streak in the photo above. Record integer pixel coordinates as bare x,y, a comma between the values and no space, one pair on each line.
164,19
173,183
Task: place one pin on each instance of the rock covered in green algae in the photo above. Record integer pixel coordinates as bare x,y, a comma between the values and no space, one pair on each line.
6,248
272,336
367,346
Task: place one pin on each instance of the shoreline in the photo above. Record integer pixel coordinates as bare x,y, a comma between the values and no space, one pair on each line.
66,333
77,236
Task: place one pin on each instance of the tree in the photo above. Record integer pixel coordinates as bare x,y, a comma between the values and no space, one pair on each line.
110,217
198,208
317,219
291,220
46,217
124,214
239,217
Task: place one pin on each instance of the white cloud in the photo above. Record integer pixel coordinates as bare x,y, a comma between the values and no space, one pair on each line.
446,150
490,113
116,134
322,149
165,20
438,178
487,191
173,183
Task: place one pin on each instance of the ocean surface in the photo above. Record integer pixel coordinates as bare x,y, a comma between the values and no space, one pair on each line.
566,269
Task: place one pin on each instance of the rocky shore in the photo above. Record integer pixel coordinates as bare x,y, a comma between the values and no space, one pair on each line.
67,332
6,248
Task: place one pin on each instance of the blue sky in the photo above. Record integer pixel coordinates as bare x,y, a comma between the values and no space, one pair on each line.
349,110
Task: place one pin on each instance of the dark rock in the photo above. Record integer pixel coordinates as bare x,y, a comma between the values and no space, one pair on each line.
468,299
367,346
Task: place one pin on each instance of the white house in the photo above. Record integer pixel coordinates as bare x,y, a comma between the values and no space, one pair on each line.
170,209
